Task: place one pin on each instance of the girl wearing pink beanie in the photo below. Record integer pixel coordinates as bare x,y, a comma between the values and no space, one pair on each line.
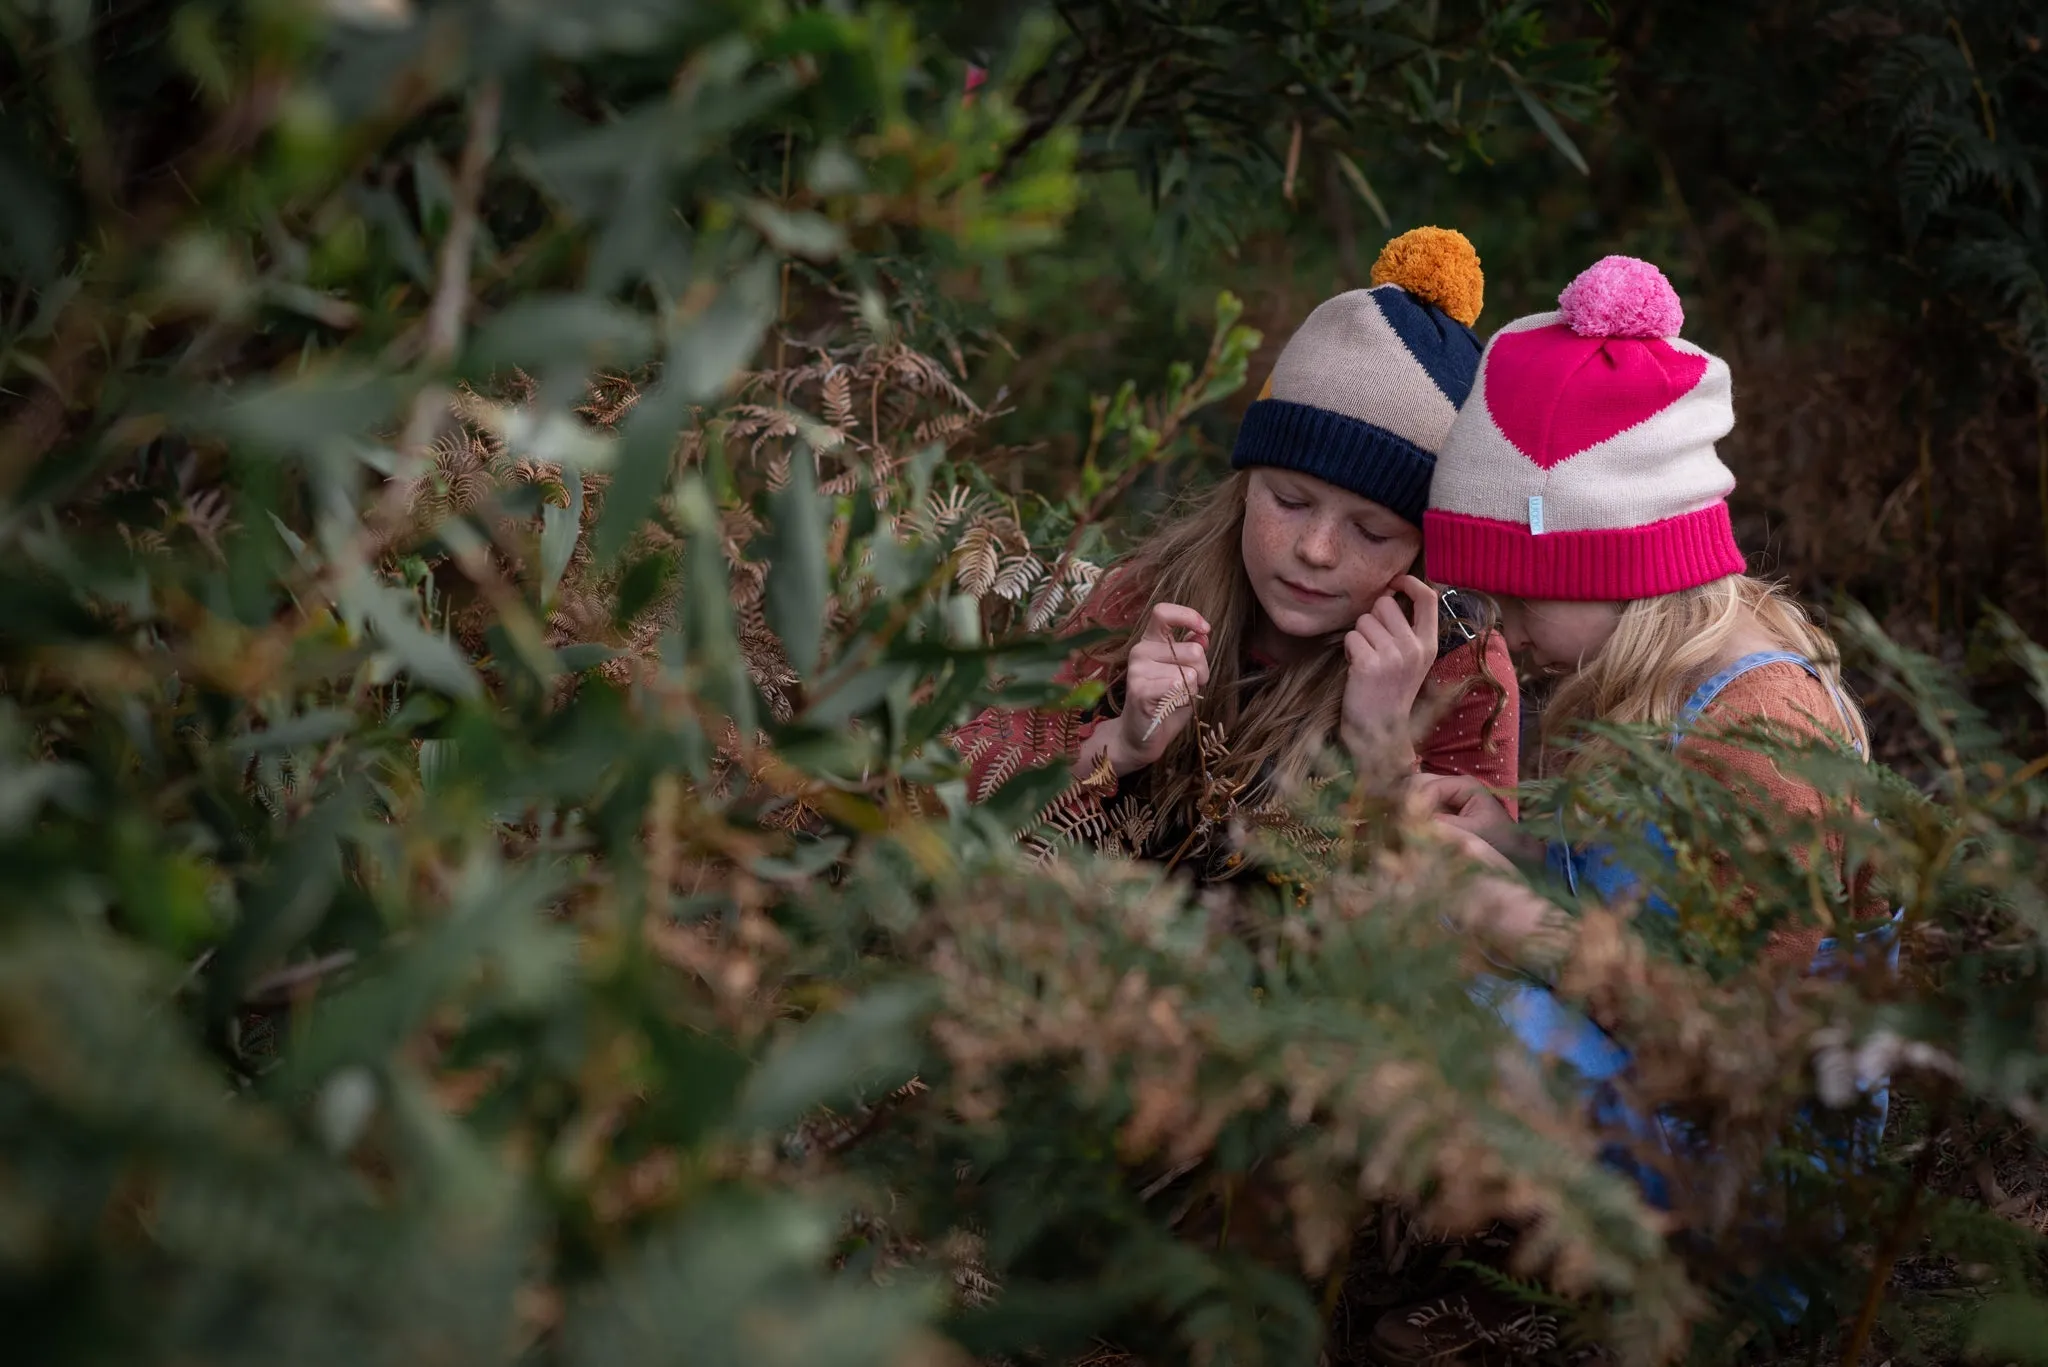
1580,487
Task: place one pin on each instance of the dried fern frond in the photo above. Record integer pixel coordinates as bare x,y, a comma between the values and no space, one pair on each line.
837,396
1013,580
957,504
1007,766
1182,694
979,560
758,425
611,397
1076,822
923,375
943,429
1045,605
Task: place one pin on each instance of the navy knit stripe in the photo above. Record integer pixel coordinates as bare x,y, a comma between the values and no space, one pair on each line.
1369,461
1445,348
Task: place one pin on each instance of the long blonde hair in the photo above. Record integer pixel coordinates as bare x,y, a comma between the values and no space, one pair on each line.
1666,647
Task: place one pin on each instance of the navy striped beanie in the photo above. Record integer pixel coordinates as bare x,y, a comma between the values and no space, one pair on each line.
1364,392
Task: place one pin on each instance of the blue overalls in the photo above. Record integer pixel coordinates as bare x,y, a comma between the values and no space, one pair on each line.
1546,1026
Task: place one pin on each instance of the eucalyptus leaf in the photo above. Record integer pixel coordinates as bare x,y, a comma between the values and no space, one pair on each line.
544,330
706,351
798,587
870,1042
648,438
856,695
1540,115
561,528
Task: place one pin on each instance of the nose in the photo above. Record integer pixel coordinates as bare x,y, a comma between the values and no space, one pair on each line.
1319,544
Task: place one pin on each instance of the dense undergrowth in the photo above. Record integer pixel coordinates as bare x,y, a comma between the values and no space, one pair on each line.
499,522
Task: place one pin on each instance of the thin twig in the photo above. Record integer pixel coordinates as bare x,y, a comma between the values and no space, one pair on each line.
274,986
1168,1178
877,1114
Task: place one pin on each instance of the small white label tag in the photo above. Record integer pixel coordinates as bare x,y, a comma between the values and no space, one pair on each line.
1535,514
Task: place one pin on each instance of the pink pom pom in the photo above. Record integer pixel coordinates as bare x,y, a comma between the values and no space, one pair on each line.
1619,296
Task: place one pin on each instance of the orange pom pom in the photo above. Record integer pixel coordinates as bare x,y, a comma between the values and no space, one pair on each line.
1438,266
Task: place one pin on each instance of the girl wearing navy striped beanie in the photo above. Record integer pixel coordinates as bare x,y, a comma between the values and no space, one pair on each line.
1281,609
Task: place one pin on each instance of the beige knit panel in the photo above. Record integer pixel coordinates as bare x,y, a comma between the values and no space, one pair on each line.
1348,359
1660,468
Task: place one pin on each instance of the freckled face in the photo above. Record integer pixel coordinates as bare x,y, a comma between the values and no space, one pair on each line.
1558,636
1318,556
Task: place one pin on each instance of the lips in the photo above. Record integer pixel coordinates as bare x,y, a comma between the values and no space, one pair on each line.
1305,593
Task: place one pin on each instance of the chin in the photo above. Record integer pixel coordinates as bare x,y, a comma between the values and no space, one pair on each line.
1308,624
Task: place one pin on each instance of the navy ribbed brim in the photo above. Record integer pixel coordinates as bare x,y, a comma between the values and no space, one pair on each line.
1369,461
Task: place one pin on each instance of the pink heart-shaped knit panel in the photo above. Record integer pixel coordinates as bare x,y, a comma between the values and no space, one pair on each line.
1554,393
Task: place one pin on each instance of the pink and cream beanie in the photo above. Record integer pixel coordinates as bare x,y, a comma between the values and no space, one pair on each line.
1582,465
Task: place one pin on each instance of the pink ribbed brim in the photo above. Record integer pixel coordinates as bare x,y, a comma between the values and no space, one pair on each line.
1607,565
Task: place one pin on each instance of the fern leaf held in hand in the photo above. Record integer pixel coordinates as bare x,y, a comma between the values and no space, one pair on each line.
1168,705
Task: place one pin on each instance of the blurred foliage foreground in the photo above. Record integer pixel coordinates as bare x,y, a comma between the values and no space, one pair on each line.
483,875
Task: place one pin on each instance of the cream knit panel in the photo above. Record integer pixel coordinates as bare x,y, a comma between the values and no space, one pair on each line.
1348,359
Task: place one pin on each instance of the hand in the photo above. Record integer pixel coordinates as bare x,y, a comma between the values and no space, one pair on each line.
1459,800
1161,680
1472,844
1504,913
1390,655
1463,803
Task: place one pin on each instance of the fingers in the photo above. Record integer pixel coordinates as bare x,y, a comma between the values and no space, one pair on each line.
1358,652
1474,845
1446,792
1387,612
1167,618
1187,654
1422,606
1150,681
1377,634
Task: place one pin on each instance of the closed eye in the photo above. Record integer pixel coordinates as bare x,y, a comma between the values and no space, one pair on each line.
1371,536
1293,504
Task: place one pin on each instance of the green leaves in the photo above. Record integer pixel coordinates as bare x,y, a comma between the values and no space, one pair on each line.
1365,190
708,628
702,355
561,528
798,584
870,1047
2013,1327
706,351
546,330
742,1281
496,949
1544,120
394,616
648,439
